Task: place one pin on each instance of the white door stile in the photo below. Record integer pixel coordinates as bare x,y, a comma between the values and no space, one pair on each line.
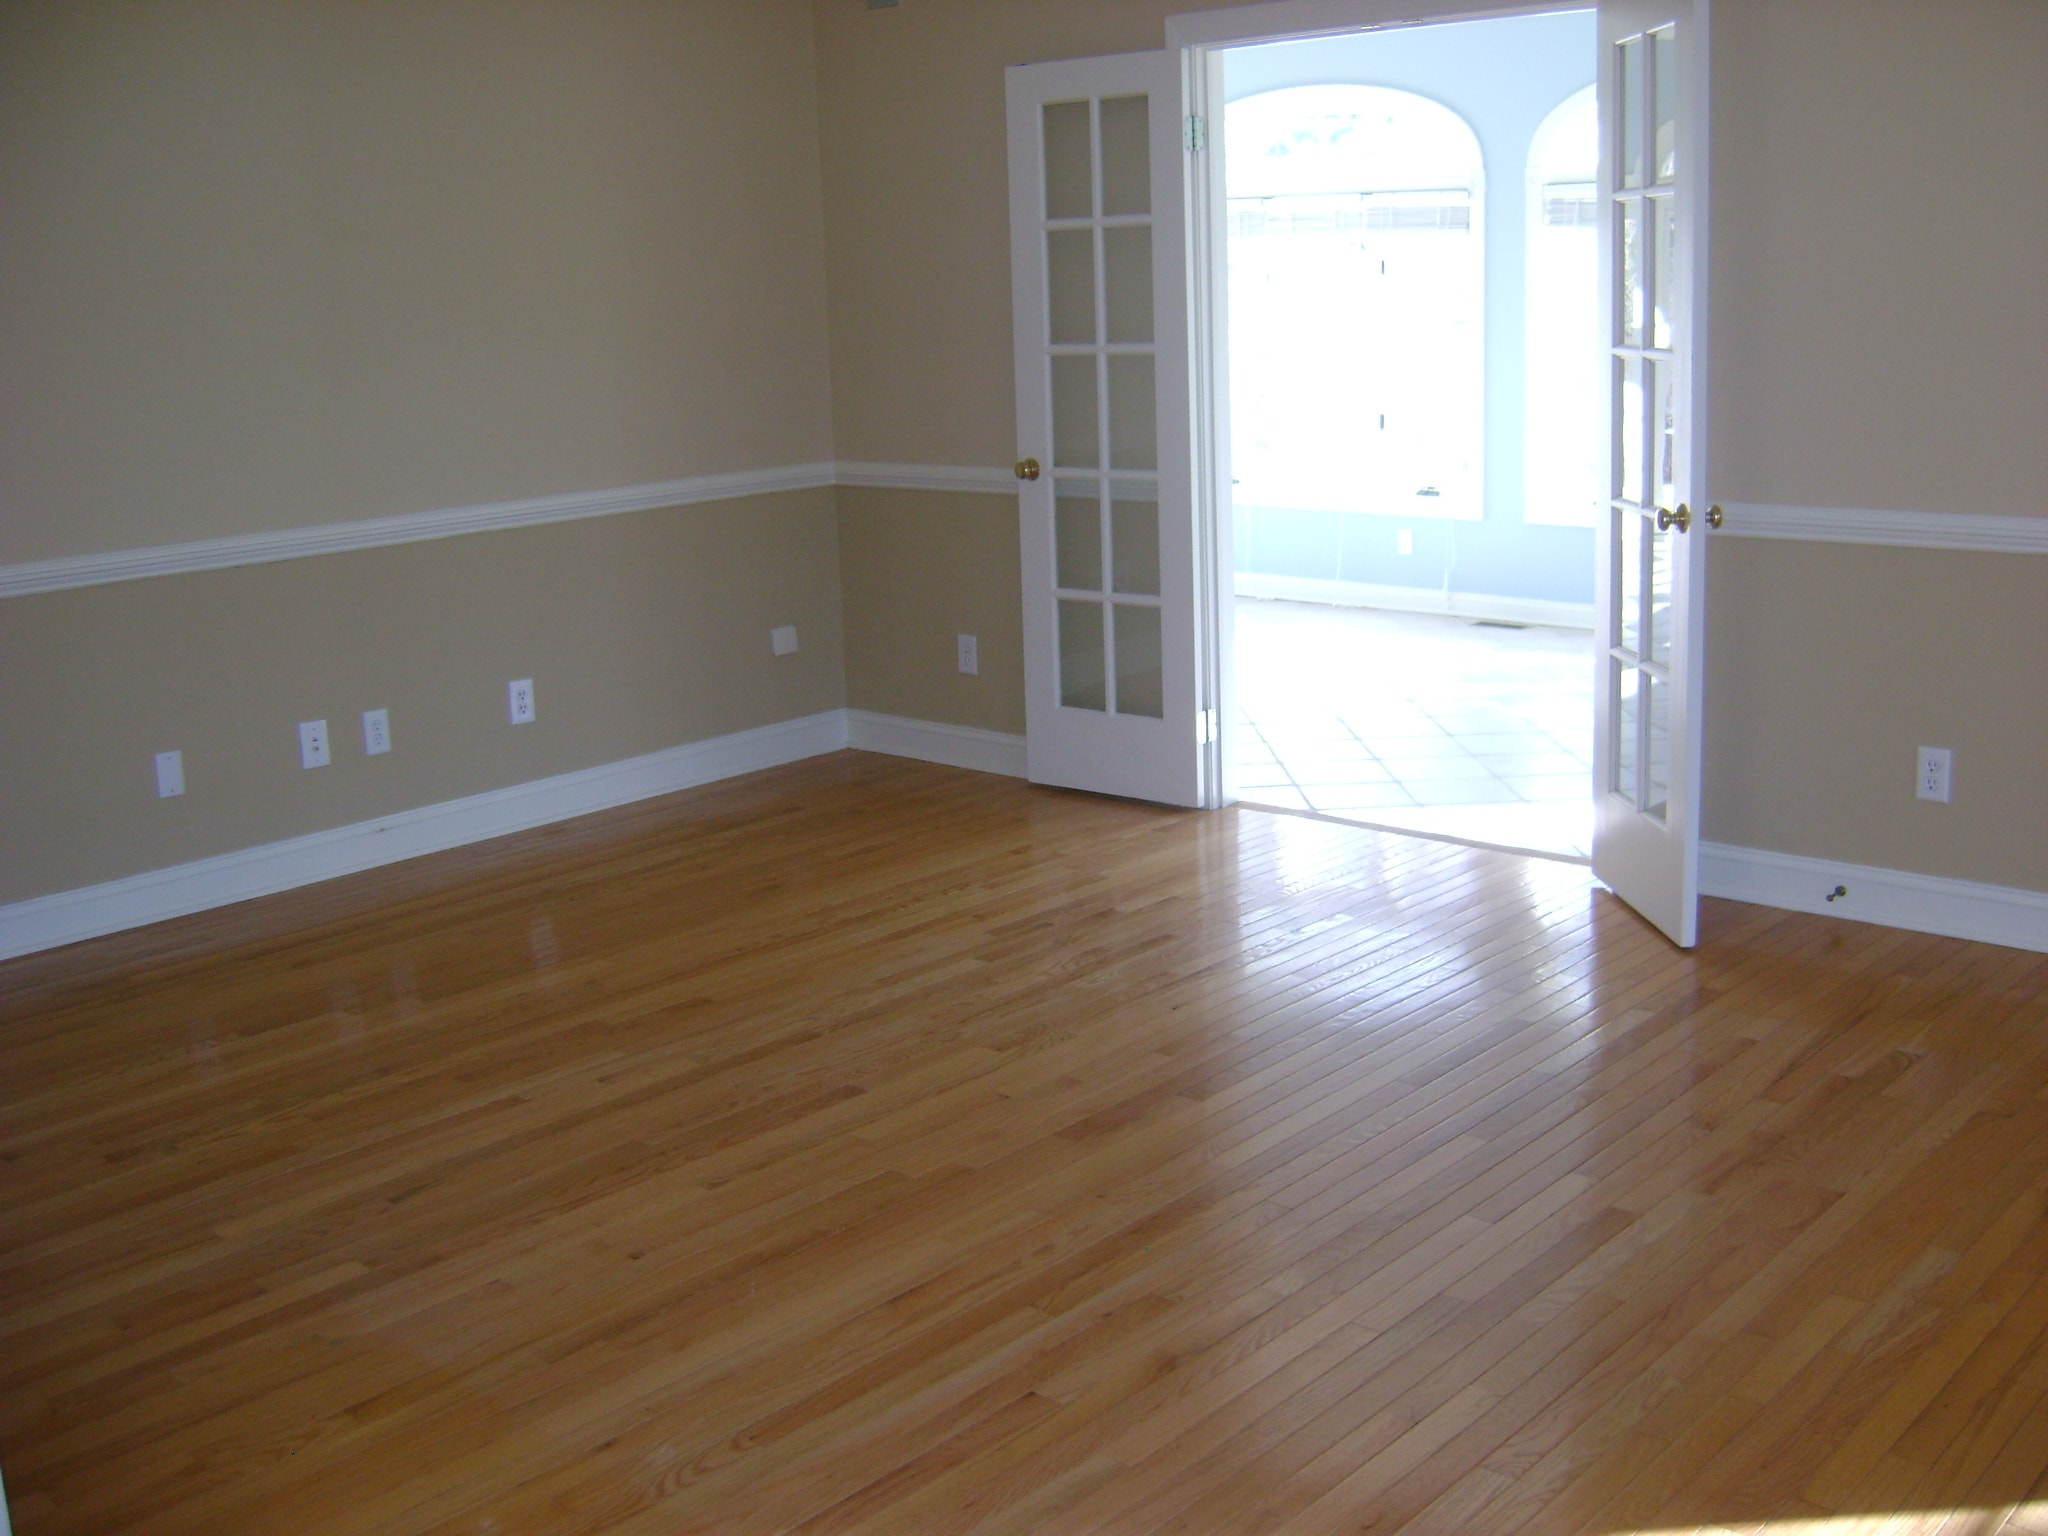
1209,375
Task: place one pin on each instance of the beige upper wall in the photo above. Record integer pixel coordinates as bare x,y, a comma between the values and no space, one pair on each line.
1879,339
1881,296
274,265
1881,254
918,212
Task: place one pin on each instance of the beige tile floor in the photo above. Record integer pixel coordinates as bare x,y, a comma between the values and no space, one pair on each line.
1414,721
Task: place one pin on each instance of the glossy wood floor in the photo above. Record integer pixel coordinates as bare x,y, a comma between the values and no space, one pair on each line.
869,1147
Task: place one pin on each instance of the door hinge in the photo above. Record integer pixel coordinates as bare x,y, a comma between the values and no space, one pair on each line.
1195,135
1205,727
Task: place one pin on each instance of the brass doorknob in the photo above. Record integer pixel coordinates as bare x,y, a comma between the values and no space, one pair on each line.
1027,469
1668,519
1715,517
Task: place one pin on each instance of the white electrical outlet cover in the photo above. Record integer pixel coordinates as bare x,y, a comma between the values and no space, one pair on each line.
519,697
1933,777
170,774
376,732
312,743
970,655
782,639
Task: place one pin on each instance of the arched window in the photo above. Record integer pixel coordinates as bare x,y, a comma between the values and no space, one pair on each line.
1562,479
1357,302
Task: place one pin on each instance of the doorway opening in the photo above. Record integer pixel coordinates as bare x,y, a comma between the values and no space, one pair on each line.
1416,435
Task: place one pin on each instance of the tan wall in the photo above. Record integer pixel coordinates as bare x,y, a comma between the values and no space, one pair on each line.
275,265
1846,661
1880,340
918,213
1875,348
640,632
1880,288
271,265
919,569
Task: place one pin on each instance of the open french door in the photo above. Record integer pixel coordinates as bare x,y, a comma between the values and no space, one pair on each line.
1116,701
1650,586
1126,575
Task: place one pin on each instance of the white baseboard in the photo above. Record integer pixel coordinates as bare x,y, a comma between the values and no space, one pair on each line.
1462,605
1960,909
44,922
957,746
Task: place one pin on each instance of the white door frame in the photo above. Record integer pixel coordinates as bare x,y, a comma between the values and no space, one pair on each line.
1200,38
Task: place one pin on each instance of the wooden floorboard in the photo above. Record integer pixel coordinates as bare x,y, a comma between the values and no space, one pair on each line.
867,1147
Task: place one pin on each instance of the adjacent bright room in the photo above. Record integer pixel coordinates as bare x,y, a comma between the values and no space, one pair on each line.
1415,425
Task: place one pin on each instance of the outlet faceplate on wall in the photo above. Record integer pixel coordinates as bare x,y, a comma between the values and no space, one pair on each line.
970,654
170,774
782,639
1936,764
1404,541
519,698
312,743
376,732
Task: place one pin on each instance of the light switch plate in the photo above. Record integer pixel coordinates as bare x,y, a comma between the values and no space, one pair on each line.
312,743
170,774
782,639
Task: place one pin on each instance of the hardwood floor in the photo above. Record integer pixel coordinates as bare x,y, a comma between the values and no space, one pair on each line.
869,1147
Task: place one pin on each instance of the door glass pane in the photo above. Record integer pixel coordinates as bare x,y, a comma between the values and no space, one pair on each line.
1664,266
1138,684
1077,535
1127,155
1667,106
1083,683
1076,442
1623,777
1664,433
1632,279
1631,112
1657,594
1133,414
1657,772
1629,429
1069,181
1628,581
1127,281
1134,541
1070,280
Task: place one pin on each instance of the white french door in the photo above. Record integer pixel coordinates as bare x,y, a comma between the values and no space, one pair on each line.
1098,234
1650,583
1127,580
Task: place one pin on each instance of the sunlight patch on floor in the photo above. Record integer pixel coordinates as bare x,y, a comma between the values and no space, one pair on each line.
2030,1519
1416,721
